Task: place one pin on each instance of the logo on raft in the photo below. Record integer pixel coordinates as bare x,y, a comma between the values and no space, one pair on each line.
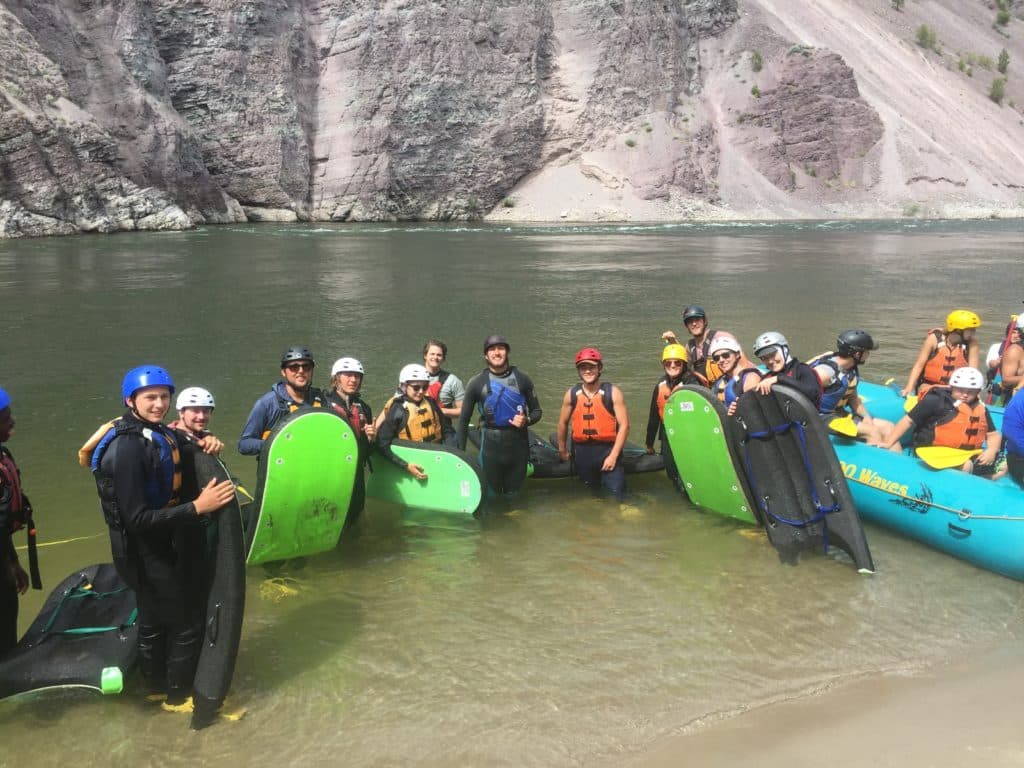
870,478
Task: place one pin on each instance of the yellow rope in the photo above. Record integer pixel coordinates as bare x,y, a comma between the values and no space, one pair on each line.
23,547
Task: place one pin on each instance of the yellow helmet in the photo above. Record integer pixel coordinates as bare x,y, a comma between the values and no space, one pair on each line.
961,319
674,352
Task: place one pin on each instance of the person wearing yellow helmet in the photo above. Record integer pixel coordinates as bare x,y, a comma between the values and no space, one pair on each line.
943,351
675,360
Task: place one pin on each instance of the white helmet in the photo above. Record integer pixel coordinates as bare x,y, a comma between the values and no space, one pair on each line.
771,339
413,372
724,341
194,397
967,378
346,365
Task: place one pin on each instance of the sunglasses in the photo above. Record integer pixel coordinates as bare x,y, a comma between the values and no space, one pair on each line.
299,366
720,356
418,387
673,363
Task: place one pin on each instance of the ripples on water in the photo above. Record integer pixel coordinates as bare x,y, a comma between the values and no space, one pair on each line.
567,633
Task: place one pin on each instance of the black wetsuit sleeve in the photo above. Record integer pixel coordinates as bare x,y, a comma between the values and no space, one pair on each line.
126,460
806,381
390,428
533,409
928,410
474,396
653,419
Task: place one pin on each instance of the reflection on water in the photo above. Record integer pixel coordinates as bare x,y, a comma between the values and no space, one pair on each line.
565,632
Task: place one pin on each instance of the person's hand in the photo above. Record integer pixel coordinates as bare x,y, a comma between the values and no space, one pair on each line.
906,391
370,431
518,421
764,386
214,496
987,457
563,454
20,578
610,461
211,444
669,337
649,450
416,471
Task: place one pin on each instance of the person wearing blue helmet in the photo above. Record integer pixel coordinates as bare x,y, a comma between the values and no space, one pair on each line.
157,540
15,513
294,391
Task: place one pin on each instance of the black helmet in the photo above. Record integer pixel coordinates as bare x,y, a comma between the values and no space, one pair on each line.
848,343
292,354
693,311
496,340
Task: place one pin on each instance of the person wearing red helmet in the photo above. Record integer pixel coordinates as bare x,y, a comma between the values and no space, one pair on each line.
595,415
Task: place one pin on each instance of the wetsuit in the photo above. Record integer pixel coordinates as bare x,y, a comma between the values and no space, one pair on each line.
158,547
504,449
1013,432
268,410
13,504
801,377
357,413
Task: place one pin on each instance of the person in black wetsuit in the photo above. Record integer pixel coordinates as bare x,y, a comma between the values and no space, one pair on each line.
508,406
772,349
156,541
15,512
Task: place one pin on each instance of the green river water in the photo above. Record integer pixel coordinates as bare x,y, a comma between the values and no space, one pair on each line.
567,633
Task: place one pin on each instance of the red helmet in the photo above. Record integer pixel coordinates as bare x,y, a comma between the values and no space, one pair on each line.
588,355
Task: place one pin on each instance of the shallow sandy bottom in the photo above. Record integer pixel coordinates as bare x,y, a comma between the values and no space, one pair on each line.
962,715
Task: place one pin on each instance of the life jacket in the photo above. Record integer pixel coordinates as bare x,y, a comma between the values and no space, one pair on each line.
163,485
725,388
593,418
354,413
422,421
941,362
314,400
836,395
962,426
193,437
11,477
502,402
434,390
664,393
701,365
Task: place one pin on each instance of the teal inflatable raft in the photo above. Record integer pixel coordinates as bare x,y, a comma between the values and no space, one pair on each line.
454,480
306,473
973,518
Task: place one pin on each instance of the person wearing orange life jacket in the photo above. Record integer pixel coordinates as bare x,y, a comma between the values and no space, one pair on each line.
343,398
674,360
295,391
739,374
15,513
594,413
953,417
839,373
411,416
446,389
943,351
698,346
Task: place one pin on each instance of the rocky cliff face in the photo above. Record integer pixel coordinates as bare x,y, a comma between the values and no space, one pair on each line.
135,114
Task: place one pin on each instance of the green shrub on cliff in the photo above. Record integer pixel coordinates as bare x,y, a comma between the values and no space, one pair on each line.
756,62
1004,61
998,90
927,38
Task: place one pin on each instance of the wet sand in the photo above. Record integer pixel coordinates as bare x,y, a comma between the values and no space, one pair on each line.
963,715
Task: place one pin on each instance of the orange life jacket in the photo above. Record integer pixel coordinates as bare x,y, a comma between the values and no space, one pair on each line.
593,418
942,361
664,393
965,426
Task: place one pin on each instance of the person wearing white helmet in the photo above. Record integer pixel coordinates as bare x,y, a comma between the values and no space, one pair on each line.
953,417
344,400
411,416
772,349
739,374
195,407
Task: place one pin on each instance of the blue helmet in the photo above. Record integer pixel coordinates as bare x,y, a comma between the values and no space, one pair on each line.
145,376
5,399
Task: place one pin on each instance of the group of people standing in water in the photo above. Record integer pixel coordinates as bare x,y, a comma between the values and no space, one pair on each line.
154,535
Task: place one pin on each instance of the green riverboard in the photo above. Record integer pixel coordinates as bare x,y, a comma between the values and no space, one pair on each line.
454,481
695,425
306,474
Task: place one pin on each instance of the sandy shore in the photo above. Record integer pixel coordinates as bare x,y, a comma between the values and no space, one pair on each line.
963,715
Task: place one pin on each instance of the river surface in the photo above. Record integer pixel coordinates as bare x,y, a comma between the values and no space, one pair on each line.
568,632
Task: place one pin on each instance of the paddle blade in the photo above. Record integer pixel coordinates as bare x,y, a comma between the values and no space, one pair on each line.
844,426
909,403
941,457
